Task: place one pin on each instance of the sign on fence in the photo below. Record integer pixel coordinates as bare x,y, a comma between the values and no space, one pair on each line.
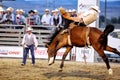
17,52
87,53
41,52
11,51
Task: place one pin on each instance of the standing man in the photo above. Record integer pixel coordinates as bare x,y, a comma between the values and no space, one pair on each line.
56,19
31,18
46,18
29,42
8,17
37,17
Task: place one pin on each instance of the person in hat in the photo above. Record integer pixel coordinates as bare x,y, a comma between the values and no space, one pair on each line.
1,14
29,42
9,17
46,18
73,14
20,18
85,18
56,19
31,17
37,17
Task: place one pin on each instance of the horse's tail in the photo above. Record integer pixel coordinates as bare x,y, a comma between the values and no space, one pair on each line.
103,38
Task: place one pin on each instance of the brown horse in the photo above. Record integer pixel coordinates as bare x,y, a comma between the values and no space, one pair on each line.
97,39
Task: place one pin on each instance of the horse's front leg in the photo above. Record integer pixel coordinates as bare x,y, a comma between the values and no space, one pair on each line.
64,56
52,59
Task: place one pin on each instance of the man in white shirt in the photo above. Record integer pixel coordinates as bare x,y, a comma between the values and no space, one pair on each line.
9,17
29,42
46,18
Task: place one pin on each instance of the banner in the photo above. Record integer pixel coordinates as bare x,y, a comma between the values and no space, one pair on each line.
17,52
85,53
41,52
11,51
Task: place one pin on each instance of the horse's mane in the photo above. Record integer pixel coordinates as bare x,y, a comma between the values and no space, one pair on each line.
53,36
66,25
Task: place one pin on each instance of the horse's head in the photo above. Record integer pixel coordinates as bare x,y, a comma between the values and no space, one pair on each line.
51,53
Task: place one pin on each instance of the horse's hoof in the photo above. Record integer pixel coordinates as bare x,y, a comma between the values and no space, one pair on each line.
60,70
50,64
110,72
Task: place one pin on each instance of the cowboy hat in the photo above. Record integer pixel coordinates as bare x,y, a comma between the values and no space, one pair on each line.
31,11
35,11
10,9
29,29
47,10
21,10
56,10
1,9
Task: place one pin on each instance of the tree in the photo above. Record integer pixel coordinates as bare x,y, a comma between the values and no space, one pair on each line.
118,20
102,18
114,20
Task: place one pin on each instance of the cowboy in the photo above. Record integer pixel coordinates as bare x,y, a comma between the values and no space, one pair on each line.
29,42
46,18
73,14
31,17
85,18
1,14
37,17
9,16
20,18
56,19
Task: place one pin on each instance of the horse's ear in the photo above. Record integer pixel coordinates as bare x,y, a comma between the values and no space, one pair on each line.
47,45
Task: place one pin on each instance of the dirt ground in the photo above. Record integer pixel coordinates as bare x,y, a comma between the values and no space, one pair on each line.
10,69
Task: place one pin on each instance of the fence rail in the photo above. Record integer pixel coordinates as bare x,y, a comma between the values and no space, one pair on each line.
11,35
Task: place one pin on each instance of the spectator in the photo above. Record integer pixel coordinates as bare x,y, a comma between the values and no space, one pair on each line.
1,14
37,17
52,12
8,17
31,18
20,18
29,42
46,18
56,19
73,14
70,12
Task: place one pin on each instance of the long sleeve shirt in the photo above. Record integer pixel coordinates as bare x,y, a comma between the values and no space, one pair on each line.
46,19
11,17
37,19
29,40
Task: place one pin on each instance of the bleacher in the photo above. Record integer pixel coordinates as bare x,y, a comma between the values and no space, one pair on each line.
11,36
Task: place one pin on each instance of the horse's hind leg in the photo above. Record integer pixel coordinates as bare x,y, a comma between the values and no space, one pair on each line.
105,59
64,56
114,50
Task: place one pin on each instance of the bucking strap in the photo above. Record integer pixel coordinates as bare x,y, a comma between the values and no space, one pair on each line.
69,40
87,36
